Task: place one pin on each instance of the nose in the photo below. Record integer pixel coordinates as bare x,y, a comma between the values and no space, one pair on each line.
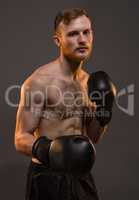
82,39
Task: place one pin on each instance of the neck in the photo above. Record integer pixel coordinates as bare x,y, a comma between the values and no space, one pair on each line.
70,68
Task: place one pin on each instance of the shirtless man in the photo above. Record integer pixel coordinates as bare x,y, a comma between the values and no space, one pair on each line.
53,104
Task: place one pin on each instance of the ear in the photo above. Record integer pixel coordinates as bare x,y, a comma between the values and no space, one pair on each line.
56,40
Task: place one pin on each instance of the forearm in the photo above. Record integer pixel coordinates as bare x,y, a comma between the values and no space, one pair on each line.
95,131
24,143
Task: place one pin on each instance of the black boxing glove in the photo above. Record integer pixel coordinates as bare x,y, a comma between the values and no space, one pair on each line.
102,91
74,154
40,149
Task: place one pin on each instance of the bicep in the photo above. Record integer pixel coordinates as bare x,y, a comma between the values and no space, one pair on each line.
26,121
29,111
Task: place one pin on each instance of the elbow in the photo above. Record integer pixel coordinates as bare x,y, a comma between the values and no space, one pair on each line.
96,140
101,132
18,143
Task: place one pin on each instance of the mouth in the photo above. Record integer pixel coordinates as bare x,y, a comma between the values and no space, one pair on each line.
81,49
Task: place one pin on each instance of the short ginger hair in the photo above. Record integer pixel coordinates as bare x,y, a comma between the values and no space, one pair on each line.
67,15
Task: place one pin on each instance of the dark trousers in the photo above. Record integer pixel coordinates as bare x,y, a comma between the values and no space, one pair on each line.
45,184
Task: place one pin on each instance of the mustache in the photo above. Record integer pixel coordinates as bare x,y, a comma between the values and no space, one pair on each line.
82,47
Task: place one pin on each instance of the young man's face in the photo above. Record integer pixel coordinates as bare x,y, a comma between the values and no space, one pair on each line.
76,39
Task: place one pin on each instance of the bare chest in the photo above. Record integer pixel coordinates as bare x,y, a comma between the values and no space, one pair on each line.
66,99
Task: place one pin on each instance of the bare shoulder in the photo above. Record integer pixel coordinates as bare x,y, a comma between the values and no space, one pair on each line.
84,75
40,77
47,69
32,82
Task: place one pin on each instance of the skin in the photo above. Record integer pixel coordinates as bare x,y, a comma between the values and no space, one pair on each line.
54,97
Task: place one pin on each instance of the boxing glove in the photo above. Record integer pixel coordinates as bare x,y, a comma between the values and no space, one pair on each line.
40,149
102,91
73,154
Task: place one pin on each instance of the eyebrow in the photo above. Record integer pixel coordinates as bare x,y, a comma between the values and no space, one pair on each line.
76,31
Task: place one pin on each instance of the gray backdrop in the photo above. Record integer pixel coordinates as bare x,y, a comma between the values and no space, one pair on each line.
26,29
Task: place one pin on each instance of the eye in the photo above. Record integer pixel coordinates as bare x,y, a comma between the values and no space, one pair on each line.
73,33
86,32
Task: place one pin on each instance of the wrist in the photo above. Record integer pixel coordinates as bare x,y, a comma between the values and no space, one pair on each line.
103,115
